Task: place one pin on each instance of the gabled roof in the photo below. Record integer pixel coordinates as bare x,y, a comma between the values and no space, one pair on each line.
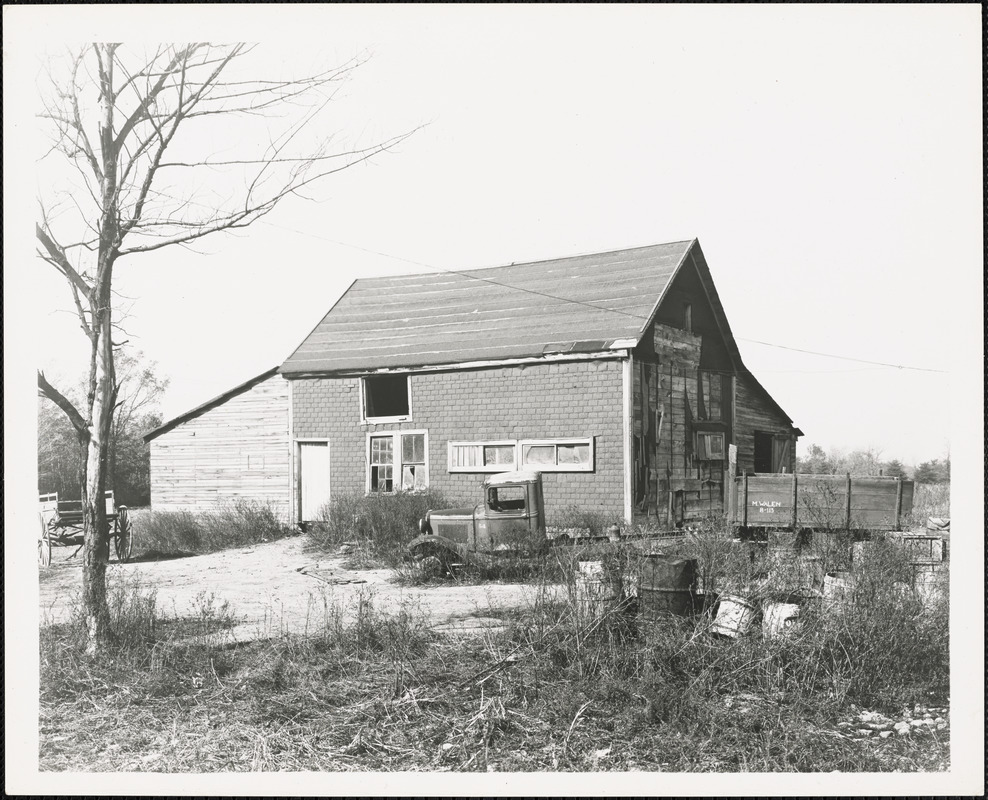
574,304
586,303
219,400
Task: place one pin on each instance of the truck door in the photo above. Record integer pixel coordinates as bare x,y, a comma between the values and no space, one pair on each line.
508,517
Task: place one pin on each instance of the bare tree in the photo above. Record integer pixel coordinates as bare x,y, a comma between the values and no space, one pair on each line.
122,121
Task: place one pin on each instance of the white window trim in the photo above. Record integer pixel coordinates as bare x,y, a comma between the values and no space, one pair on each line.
396,467
483,467
365,420
588,441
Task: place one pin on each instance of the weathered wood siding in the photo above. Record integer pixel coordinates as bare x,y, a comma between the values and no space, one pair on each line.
237,450
755,413
672,395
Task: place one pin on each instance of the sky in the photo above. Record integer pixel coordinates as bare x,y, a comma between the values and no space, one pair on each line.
826,159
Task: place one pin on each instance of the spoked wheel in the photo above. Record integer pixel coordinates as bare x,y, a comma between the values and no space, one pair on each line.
124,540
433,562
44,545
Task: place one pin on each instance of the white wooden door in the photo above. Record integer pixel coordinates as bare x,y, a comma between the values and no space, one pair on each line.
313,480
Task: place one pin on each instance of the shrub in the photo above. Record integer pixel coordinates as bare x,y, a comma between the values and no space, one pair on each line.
379,525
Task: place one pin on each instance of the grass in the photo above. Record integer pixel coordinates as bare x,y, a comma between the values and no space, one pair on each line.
168,533
930,500
564,687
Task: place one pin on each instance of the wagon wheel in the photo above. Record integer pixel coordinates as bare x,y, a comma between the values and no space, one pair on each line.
434,562
44,544
124,539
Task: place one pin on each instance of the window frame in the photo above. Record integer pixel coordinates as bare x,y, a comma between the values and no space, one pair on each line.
556,443
396,463
365,420
513,443
702,452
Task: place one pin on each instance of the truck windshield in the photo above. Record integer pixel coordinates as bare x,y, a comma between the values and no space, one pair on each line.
506,498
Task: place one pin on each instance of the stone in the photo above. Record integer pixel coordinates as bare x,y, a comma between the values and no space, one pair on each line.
885,734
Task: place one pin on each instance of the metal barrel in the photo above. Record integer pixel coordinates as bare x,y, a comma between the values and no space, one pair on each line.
735,616
668,585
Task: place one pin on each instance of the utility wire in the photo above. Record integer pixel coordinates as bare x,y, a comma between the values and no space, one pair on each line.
473,276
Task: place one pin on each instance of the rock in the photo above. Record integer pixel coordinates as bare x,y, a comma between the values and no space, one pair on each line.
916,722
885,734
863,732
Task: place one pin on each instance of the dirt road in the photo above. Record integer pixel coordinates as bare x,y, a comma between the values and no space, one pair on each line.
276,587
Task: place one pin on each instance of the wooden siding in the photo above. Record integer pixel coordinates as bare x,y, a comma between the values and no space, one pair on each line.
755,412
236,450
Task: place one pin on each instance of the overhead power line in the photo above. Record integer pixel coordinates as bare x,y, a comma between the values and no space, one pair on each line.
476,277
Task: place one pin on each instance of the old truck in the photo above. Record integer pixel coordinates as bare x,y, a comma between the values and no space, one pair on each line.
509,522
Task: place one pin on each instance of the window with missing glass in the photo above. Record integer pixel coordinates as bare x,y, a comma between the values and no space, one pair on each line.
557,455
385,398
397,461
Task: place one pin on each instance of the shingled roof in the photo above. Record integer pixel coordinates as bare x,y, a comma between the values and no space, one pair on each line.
581,303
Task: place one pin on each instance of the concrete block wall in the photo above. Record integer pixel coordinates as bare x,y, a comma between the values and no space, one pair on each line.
540,401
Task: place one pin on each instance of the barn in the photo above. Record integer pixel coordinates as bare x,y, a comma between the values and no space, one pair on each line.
235,447
614,374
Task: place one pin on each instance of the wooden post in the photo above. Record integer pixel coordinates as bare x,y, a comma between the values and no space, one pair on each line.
794,501
848,514
744,514
898,503
730,483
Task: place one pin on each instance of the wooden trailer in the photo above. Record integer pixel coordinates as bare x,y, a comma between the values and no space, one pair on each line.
820,502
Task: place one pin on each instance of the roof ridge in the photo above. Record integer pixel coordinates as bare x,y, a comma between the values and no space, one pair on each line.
468,270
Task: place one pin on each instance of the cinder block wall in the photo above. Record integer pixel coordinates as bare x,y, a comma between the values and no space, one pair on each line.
541,401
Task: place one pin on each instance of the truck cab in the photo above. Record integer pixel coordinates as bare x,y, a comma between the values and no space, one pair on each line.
509,522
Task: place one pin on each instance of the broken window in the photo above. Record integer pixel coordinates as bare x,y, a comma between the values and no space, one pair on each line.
506,498
413,472
402,453
386,397
558,455
710,446
382,463
499,456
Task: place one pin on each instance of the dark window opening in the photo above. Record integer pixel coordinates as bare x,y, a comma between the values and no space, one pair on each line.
506,498
763,452
385,396
688,318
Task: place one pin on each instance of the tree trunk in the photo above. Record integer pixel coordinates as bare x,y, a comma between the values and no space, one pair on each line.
96,550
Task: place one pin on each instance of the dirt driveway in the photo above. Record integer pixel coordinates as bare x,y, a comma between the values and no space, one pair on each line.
276,587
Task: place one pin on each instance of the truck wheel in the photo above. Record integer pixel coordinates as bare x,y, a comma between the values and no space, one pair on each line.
432,567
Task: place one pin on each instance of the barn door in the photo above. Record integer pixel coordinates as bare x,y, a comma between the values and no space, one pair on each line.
313,479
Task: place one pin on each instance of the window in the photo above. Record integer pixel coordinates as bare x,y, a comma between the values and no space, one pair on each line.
506,498
385,398
403,454
558,455
498,456
688,317
710,446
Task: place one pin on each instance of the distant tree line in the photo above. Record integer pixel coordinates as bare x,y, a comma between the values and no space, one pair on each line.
128,457
869,462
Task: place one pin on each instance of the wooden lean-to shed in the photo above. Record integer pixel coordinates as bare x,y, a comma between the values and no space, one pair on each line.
614,374
234,447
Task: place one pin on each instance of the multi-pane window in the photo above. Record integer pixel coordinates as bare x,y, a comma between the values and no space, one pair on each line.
482,456
413,470
397,460
558,455
710,446
546,455
382,459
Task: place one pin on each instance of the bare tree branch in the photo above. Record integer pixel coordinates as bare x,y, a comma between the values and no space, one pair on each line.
49,391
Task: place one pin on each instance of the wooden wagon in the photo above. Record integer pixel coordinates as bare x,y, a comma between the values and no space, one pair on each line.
820,502
61,525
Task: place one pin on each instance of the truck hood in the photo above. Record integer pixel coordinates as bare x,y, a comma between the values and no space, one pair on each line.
451,512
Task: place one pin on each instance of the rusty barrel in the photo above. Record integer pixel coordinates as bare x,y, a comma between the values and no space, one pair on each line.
668,585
